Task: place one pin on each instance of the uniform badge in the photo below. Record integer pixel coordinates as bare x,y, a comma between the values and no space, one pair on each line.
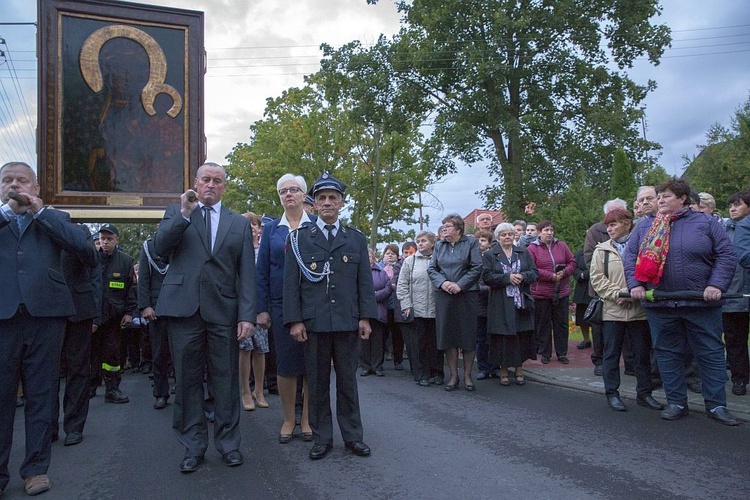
313,266
346,259
116,275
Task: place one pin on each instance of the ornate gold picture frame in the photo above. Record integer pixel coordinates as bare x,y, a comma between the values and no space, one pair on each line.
121,106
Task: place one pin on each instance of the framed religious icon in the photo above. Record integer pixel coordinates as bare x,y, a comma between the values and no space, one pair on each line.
120,106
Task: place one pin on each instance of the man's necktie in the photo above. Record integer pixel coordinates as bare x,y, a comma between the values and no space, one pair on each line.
331,236
21,222
207,215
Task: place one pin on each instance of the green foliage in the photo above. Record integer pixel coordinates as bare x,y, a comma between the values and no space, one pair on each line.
132,236
528,87
352,120
573,212
723,166
622,185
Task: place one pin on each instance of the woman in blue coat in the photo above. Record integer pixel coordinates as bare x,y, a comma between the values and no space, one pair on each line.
290,357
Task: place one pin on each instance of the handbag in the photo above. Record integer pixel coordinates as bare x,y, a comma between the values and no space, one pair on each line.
595,309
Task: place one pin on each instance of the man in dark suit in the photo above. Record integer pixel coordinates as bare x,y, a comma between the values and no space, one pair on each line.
329,298
85,285
152,269
34,305
208,299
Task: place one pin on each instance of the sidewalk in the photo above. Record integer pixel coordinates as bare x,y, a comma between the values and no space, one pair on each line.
579,374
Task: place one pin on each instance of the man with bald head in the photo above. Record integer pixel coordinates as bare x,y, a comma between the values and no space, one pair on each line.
208,301
34,305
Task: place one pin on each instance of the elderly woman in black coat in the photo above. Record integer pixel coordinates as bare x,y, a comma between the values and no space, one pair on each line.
455,268
509,270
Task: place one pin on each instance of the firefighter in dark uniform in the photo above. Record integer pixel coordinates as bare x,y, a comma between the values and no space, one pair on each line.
118,304
151,271
85,285
329,299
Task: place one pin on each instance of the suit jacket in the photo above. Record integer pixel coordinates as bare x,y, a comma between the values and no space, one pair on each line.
31,264
219,284
84,283
150,278
338,302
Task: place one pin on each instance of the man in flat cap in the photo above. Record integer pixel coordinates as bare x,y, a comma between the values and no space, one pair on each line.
328,300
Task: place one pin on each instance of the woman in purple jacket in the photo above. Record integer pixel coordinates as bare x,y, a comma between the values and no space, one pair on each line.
681,250
555,264
371,356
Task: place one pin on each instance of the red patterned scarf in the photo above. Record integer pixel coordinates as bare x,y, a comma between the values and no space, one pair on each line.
652,255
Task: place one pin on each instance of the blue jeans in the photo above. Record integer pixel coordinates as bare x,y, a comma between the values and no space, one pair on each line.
672,329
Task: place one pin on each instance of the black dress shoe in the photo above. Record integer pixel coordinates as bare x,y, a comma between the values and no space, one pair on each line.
380,373
564,360
483,375
649,402
739,389
160,403
598,370
320,451
424,383
365,373
722,415
73,438
358,448
190,464
616,403
545,360
674,412
584,345
233,458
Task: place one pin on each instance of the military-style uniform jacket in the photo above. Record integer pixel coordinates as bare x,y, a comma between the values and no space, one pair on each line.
151,271
118,285
341,297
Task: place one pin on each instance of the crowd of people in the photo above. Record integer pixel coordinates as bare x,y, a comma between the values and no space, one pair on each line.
222,309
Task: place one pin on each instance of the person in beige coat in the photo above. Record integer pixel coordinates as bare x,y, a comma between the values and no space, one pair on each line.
417,297
621,316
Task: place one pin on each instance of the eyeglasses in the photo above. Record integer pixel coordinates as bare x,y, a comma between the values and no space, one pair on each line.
290,190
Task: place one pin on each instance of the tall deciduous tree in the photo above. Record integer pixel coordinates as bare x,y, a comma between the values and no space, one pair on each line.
531,85
723,166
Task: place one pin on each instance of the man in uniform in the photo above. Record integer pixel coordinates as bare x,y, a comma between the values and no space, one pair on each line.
152,269
118,304
208,298
329,298
34,305
85,284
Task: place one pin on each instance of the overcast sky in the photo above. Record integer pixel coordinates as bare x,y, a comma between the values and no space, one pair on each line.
701,80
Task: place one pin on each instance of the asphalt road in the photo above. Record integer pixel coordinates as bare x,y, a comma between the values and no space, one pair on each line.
531,442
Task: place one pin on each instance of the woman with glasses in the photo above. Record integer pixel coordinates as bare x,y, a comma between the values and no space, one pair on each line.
290,358
455,269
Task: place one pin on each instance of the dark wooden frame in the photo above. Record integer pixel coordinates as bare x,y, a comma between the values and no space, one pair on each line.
57,16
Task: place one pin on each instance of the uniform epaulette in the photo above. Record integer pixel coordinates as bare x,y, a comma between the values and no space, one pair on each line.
355,229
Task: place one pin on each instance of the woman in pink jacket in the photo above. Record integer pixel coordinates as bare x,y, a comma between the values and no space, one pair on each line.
555,263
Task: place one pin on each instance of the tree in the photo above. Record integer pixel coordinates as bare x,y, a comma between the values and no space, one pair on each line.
723,166
396,163
622,185
530,87
351,120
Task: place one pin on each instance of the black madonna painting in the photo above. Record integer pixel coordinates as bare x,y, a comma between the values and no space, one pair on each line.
125,116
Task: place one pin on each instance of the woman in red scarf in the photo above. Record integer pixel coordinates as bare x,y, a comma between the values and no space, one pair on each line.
681,250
